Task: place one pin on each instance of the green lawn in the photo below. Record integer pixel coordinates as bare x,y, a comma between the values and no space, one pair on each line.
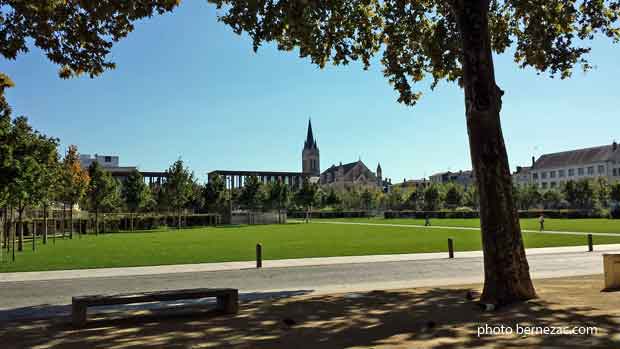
576,225
238,244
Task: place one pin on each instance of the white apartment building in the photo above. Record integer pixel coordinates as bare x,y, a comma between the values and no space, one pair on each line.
552,170
103,160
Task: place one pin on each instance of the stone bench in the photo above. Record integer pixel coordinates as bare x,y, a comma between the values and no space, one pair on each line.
227,300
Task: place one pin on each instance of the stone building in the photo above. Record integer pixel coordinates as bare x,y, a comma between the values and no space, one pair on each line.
353,174
552,170
464,178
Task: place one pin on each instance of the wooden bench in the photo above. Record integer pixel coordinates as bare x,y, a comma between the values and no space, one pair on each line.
227,300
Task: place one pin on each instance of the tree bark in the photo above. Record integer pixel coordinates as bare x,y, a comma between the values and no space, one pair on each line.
34,233
96,221
44,224
71,221
506,271
20,246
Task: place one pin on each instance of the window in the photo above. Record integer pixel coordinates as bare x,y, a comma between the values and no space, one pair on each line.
601,169
544,185
108,159
615,172
580,171
552,174
552,184
571,172
590,170
562,173
535,176
544,175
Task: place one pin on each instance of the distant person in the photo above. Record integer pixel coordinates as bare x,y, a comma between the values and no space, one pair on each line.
427,221
541,221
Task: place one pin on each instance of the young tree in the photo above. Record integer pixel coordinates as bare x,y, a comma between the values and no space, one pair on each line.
46,186
551,199
614,192
215,194
178,187
102,190
278,195
332,198
584,194
471,197
451,40
367,199
135,193
306,196
252,194
570,193
74,181
454,196
431,198
601,191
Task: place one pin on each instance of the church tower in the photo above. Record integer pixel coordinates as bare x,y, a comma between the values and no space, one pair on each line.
310,155
379,175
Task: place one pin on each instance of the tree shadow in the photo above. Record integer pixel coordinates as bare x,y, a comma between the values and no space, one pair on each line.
443,318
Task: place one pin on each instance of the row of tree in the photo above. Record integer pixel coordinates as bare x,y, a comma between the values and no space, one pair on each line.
583,194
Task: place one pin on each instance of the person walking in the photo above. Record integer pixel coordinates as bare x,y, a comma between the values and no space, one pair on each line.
427,221
541,221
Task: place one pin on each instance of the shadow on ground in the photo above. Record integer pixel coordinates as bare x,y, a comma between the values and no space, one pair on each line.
437,317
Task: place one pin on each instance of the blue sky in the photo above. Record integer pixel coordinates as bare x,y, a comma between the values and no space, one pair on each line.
186,86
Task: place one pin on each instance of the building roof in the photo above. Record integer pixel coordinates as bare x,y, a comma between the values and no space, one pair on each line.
346,167
576,157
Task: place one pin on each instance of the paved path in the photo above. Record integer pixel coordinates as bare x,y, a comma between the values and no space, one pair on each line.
27,299
280,263
466,228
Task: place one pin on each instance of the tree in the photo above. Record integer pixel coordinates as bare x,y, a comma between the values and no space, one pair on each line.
451,40
431,198
614,192
471,197
454,196
215,194
306,196
602,191
101,190
178,187
332,198
570,193
75,182
48,177
135,193
278,195
367,199
77,35
584,194
252,193
551,199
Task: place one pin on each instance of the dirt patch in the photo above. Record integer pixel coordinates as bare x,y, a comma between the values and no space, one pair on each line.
446,317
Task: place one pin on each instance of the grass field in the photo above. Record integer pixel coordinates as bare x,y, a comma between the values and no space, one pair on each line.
572,225
222,244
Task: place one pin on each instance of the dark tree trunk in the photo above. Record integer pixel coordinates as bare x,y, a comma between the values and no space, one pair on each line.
506,271
64,218
34,233
20,246
44,224
71,221
96,221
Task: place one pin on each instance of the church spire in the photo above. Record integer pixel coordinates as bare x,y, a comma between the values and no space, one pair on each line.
310,142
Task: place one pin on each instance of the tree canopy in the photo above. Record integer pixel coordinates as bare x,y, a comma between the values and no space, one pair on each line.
419,39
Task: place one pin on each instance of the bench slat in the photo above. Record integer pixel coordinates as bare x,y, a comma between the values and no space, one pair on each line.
156,296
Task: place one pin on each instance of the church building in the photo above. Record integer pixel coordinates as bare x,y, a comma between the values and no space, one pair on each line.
341,176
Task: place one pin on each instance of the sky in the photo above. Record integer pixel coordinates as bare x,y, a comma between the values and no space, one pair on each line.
187,87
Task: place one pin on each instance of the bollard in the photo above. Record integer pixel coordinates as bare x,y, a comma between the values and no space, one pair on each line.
590,245
450,248
259,256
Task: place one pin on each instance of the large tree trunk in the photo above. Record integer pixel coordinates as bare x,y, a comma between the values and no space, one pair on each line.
506,271
34,233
